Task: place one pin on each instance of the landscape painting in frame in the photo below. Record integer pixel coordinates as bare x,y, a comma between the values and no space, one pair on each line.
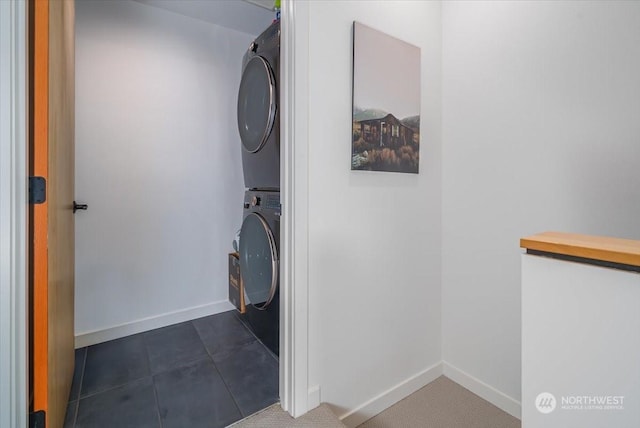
386,102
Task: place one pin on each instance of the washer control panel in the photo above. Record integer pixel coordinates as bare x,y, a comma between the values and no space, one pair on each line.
262,201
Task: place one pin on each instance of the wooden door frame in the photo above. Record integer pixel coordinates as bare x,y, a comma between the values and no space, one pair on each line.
52,111
13,214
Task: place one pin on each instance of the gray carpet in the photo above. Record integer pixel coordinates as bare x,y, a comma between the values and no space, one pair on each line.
275,417
441,404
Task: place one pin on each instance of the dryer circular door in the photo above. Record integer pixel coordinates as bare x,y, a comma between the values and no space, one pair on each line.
258,261
256,104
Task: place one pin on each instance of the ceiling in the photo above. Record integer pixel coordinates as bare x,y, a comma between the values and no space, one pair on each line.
247,16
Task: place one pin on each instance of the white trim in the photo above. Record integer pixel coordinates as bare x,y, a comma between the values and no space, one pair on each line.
13,214
313,395
150,323
294,246
391,396
489,393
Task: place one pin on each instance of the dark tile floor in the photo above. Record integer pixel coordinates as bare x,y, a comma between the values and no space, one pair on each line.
208,372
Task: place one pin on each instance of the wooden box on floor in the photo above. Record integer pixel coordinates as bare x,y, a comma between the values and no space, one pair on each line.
236,291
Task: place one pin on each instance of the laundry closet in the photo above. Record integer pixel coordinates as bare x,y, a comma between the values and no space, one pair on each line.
159,162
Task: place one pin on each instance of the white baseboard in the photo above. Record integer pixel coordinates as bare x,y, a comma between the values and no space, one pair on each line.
313,397
146,324
390,397
489,393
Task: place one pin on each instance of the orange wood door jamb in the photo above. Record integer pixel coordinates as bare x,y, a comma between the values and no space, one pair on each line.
40,212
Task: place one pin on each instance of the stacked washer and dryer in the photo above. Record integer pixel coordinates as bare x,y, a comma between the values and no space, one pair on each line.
259,127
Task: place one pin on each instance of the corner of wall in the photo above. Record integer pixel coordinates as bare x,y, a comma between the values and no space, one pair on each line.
483,390
391,396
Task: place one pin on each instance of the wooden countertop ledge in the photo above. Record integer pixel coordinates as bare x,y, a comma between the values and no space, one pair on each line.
600,248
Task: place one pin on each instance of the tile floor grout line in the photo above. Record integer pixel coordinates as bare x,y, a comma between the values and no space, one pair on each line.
77,409
120,385
155,395
205,346
225,382
75,416
277,359
200,337
151,375
179,365
234,348
215,366
210,355
233,397
238,316
111,388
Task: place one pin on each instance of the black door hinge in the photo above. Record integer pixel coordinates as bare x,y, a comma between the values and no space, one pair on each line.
37,419
37,190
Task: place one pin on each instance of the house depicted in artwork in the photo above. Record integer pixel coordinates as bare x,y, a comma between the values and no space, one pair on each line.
387,131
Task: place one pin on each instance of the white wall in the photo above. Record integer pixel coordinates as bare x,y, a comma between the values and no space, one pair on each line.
158,162
580,328
374,238
541,102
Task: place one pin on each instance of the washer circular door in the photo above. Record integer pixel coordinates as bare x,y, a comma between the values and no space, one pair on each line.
257,104
258,261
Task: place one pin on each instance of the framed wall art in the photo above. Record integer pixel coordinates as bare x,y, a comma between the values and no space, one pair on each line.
386,102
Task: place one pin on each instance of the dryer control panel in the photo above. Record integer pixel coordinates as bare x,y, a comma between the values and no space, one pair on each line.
272,202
